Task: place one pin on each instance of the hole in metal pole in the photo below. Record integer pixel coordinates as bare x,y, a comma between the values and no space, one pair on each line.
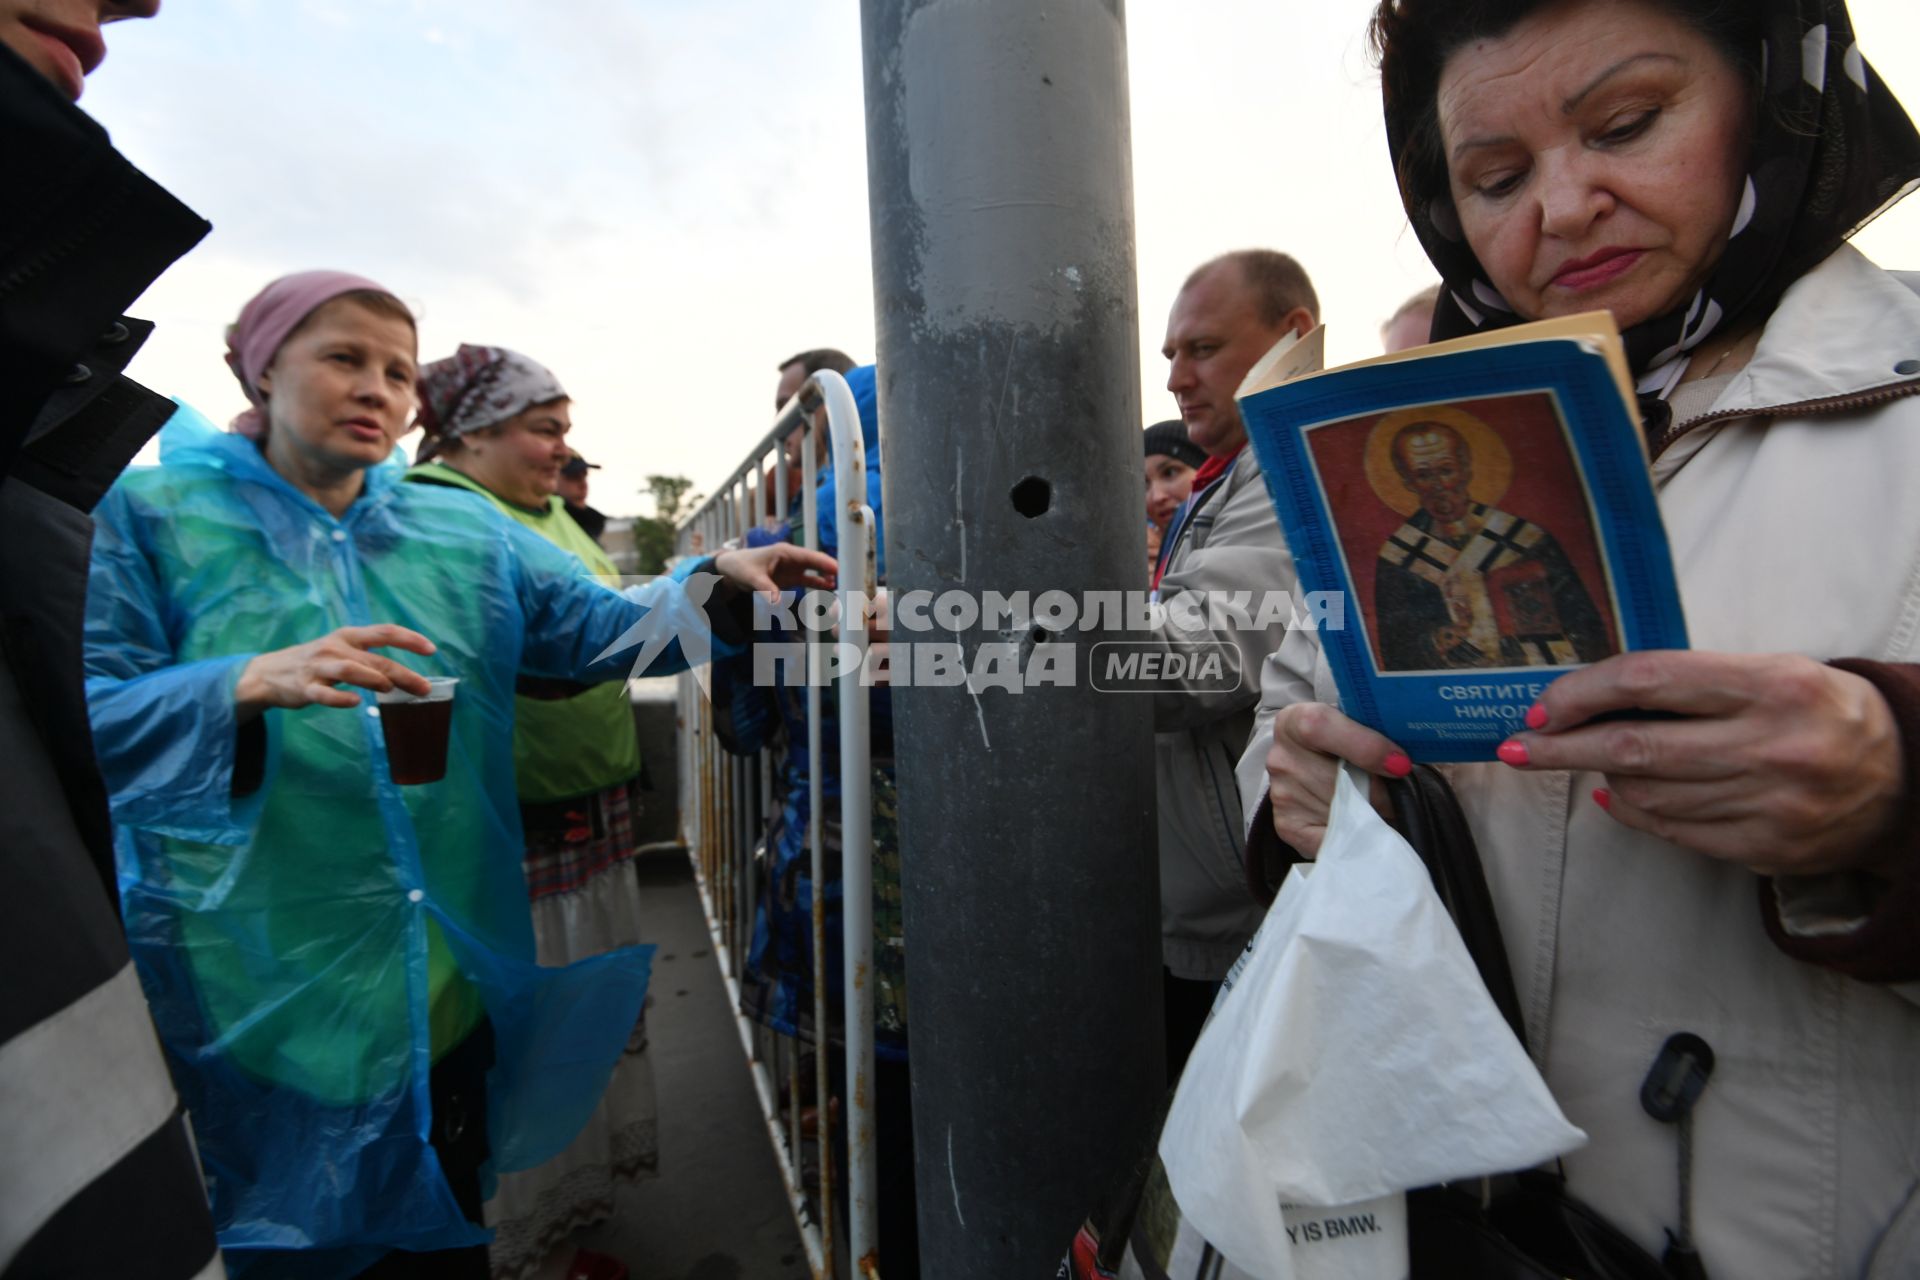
1032,497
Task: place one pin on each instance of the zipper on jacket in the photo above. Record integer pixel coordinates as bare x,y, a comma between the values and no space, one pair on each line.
1868,399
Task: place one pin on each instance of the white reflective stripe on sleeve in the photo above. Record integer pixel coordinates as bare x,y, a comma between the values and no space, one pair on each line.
78,1091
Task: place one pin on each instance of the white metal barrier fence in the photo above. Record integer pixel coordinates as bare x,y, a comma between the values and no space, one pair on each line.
726,800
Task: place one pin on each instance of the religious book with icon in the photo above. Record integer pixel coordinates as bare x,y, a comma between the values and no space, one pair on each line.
1469,520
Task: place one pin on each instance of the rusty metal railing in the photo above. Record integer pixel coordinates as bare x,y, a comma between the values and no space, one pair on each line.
726,800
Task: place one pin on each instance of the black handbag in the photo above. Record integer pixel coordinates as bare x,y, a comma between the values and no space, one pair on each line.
1521,1226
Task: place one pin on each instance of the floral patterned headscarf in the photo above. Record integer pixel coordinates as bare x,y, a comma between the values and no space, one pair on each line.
479,387
1832,149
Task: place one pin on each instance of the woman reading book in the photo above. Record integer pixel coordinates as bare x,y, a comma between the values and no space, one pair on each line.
1744,865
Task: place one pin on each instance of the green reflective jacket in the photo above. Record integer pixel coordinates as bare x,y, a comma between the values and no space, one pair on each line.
569,746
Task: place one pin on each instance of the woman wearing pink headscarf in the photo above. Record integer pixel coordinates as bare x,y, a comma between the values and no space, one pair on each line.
341,966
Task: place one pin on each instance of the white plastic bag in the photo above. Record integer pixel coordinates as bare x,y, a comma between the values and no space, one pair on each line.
1354,1054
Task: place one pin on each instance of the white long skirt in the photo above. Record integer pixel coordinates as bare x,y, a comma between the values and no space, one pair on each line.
586,900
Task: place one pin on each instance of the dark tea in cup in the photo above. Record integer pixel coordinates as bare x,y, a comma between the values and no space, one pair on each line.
415,728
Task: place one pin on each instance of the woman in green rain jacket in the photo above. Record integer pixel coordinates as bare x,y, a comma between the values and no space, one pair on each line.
331,957
497,425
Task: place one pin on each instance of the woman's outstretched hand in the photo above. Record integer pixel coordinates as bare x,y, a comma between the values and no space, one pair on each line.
769,570
310,673
1776,762
1310,740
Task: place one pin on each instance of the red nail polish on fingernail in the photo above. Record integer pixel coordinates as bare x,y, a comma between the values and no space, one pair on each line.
1536,716
1513,753
1603,798
1399,764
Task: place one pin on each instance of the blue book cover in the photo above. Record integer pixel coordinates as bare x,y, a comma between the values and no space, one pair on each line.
1484,519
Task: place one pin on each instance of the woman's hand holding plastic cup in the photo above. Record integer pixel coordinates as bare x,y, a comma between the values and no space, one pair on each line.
311,674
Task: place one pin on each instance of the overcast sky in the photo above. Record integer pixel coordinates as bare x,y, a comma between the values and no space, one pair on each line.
662,198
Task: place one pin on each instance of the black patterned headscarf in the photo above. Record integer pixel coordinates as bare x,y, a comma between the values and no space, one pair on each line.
478,387
1832,149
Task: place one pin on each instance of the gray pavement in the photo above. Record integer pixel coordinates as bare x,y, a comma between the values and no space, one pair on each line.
718,1210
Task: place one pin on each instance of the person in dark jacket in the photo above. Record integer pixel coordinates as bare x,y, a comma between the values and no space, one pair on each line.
97,1172
573,491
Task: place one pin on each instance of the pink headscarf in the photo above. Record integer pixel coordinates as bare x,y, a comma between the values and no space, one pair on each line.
265,322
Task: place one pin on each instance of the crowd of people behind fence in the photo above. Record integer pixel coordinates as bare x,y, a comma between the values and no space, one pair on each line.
383,957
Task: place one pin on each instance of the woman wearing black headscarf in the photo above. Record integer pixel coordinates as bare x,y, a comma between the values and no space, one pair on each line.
1695,167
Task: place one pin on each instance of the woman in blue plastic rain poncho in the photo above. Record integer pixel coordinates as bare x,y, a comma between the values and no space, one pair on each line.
333,958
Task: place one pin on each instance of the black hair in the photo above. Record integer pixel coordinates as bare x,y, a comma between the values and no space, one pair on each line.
812,362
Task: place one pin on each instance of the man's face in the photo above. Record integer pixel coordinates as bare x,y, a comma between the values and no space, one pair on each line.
1434,463
792,378
573,488
61,38
1213,337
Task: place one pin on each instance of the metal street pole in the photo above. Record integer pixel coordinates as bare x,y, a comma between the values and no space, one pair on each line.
1000,187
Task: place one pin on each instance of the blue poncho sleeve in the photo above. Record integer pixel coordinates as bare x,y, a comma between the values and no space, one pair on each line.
165,734
579,629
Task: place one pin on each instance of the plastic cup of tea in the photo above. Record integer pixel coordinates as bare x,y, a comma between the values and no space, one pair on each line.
415,727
